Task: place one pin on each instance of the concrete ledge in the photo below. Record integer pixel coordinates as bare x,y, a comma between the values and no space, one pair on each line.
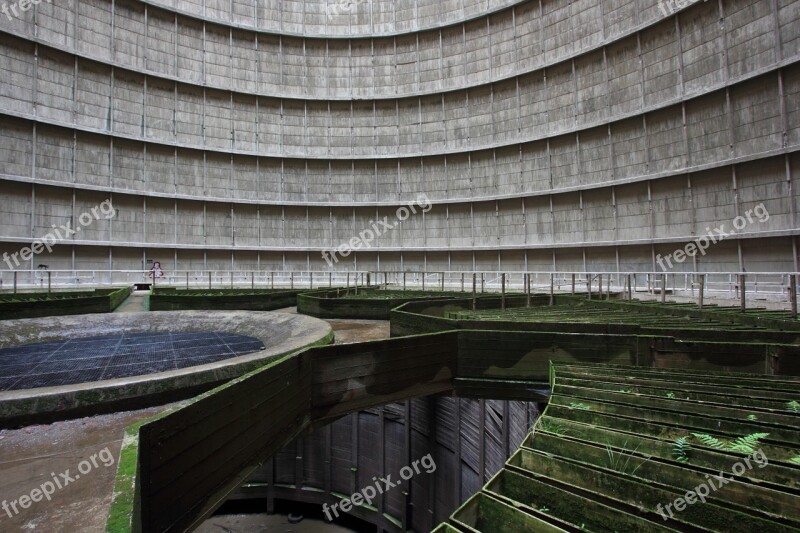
281,334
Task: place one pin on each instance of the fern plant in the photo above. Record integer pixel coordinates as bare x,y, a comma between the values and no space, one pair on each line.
746,445
752,418
795,460
709,441
793,406
580,406
680,449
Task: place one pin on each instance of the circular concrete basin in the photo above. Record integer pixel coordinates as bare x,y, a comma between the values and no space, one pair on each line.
271,334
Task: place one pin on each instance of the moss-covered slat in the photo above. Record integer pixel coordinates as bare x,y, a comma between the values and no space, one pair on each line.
735,423
761,398
486,513
640,401
720,378
546,495
737,494
670,431
699,457
647,496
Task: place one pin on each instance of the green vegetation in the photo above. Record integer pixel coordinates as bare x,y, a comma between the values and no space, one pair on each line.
680,450
746,445
39,304
579,405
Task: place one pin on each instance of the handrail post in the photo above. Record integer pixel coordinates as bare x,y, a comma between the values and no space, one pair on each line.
552,289
663,288
793,295
589,285
528,289
701,290
503,292
474,291
744,292
49,281
573,284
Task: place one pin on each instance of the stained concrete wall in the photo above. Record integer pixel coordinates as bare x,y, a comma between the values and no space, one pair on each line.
569,135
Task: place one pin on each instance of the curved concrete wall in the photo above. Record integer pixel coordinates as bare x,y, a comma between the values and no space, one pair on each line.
547,134
468,440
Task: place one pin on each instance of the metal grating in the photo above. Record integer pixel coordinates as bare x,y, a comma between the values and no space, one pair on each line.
51,364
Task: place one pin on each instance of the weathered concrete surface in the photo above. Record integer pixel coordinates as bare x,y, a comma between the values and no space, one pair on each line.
29,455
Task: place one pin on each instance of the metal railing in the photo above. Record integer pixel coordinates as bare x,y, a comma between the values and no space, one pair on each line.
779,287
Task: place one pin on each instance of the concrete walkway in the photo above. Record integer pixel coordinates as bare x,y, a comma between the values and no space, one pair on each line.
137,302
